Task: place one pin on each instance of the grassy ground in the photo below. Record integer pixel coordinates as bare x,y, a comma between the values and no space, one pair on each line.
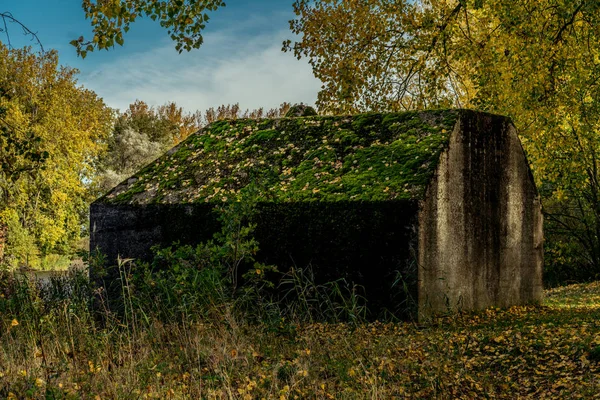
551,351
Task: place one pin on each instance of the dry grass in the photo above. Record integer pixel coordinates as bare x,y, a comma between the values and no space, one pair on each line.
551,351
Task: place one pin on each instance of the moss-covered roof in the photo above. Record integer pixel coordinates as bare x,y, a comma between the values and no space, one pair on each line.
365,157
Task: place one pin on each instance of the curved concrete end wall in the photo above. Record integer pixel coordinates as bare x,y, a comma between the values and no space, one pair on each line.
480,226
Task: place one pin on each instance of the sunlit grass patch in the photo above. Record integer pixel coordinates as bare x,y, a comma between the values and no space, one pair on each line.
581,295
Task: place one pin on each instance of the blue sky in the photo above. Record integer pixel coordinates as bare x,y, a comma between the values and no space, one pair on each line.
240,61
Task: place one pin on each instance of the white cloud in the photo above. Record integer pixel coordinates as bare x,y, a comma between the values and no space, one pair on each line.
231,67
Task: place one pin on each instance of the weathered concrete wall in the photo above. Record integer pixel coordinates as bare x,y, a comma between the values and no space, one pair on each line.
480,235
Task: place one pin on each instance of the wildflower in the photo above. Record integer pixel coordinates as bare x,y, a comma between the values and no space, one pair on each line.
14,322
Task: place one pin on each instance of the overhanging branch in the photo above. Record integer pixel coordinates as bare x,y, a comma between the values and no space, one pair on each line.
7,18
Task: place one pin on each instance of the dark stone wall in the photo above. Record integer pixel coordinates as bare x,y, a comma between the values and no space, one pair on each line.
367,243
129,231
480,238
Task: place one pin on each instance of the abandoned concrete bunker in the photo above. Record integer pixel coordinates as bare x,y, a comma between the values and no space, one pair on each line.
429,211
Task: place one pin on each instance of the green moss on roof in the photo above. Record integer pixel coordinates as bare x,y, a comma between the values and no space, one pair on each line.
366,157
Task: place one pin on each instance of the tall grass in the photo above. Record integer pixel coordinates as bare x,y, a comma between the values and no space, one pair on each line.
212,344
193,312
208,322
305,300
186,321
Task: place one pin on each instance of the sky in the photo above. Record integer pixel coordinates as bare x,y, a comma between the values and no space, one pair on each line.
240,61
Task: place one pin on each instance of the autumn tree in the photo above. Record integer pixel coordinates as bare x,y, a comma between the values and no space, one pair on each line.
167,124
183,123
20,154
233,111
53,131
140,134
536,61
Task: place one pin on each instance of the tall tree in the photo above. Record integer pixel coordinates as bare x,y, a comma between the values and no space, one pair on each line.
20,154
537,61
48,118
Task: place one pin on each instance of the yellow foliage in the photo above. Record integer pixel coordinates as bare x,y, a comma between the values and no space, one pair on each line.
534,61
72,124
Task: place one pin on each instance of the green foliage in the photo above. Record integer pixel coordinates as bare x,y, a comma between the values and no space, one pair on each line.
29,301
55,262
182,291
22,249
405,288
187,282
564,260
19,154
183,19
